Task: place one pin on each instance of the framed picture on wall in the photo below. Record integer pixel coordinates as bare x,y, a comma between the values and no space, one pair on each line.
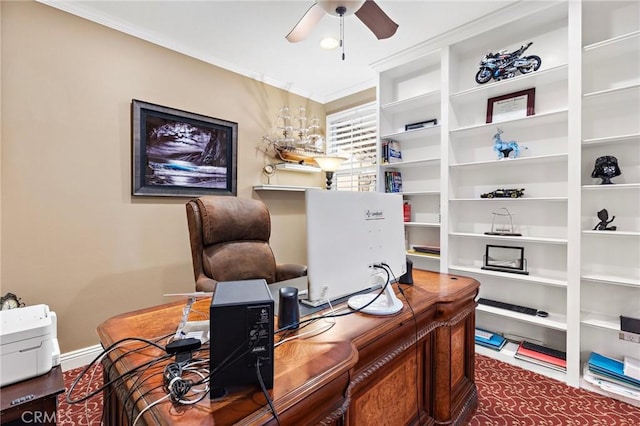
182,154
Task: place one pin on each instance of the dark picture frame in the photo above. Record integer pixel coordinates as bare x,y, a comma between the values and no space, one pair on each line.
182,154
512,105
505,259
420,125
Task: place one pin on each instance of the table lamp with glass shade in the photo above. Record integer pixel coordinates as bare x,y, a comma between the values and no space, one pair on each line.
329,164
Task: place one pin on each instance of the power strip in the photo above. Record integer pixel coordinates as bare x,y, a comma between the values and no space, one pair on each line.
629,337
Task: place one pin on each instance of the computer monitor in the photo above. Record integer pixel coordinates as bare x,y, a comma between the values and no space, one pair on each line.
347,234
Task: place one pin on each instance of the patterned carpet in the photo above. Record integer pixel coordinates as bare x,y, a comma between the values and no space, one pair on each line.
508,396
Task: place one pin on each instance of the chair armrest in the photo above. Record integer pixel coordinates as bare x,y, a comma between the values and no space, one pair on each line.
205,284
287,271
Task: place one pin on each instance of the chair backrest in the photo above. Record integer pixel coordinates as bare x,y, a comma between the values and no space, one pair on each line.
229,239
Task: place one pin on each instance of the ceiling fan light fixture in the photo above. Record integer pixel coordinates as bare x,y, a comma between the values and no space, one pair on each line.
367,11
349,6
329,43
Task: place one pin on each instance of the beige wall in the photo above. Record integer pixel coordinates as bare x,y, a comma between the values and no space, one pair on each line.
72,235
363,97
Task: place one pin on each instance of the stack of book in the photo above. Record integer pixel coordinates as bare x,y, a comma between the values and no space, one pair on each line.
542,355
613,375
392,181
391,151
489,339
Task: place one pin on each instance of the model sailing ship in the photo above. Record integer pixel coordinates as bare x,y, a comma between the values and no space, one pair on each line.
297,139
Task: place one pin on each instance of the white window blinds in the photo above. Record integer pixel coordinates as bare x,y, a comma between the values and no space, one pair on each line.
353,134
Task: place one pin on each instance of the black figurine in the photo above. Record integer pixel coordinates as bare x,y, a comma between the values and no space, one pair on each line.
605,168
603,215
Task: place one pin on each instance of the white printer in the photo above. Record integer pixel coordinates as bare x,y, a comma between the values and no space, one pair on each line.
28,343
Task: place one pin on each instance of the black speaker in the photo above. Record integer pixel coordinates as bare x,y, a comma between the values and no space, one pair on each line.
288,308
241,335
407,277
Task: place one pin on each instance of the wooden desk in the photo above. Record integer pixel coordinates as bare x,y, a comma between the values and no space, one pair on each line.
41,407
364,371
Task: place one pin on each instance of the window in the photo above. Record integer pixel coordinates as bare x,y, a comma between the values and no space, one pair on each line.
353,134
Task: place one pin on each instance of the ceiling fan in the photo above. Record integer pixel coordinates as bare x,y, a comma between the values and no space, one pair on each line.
366,10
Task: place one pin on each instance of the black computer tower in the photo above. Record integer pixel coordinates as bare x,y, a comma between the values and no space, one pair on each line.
241,335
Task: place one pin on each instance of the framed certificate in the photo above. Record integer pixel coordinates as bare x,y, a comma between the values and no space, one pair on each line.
509,107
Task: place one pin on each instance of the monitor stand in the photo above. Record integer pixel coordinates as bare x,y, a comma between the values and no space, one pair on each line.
386,304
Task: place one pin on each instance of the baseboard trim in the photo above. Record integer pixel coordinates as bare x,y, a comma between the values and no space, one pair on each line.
79,357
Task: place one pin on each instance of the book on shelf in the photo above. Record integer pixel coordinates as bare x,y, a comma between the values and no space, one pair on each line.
417,253
392,181
489,339
611,369
391,152
609,385
540,358
631,367
427,249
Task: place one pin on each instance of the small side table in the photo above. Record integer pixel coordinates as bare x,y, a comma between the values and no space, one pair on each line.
33,401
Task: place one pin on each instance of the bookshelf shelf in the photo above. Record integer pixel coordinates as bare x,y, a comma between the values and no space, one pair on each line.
435,257
515,162
605,140
544,240
423,224
612,234
553,321
410,193
615,46
613,187
416,134
411,163
506,355
622,91
541,119
612,279
596,389
594,319
516,277
512,200
521,82
418,101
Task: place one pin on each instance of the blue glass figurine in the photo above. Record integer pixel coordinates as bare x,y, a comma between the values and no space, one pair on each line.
505,148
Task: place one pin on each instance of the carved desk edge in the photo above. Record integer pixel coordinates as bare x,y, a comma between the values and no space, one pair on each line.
391,355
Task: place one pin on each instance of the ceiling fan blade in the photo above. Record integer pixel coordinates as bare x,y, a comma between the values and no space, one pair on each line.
376,20
306,24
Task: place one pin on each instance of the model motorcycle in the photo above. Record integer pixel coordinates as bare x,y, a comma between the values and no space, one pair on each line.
503,64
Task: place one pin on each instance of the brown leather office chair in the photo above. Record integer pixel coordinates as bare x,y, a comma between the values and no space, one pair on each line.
230,241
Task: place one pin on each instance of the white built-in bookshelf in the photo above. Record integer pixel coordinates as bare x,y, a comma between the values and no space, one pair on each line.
587,104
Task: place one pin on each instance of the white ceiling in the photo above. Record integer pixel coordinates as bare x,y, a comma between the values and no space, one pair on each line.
248,37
